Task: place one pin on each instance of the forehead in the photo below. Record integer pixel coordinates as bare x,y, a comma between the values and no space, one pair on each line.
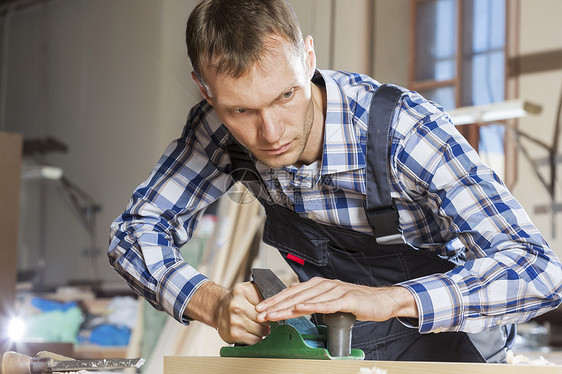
279,70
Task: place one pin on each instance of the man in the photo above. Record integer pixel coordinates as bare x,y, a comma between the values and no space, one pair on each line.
444,279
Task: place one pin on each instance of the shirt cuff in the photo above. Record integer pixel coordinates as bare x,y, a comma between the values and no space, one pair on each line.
176,288
439,301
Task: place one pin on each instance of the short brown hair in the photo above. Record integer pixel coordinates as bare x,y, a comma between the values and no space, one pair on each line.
233,34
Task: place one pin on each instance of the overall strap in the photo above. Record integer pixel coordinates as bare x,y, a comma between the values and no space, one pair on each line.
380,208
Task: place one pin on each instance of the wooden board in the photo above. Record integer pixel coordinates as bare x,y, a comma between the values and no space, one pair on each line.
224,365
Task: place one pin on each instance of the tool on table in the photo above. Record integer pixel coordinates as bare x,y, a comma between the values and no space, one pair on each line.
269,285
298,337
339,333
17,363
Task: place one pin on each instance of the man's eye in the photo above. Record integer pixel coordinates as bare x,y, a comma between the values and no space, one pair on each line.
288,94
240,110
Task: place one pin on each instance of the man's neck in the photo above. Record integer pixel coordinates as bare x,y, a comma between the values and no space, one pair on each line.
315,143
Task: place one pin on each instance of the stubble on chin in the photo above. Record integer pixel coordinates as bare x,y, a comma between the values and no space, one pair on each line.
280,161
300,142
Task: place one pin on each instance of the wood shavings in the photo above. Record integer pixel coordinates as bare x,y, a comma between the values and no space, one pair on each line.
373,370
514,359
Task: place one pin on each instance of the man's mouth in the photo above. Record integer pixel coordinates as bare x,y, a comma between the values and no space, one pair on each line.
277,151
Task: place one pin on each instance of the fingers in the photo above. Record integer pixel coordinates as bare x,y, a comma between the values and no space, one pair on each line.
299,310
317,295
320,295
291,294
238,317
314,290
245,296
325,296
251,293
239,329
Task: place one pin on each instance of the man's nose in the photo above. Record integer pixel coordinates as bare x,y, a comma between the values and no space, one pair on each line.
271,130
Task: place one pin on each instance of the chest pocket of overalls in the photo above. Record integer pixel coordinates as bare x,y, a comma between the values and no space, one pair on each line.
296,243
313,249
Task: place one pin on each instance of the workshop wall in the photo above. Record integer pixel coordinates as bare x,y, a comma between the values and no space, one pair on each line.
540,81
390,51
347,44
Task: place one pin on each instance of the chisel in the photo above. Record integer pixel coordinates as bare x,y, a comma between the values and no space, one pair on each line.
17,363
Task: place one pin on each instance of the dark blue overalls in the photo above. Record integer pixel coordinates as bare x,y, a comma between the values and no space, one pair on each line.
379,260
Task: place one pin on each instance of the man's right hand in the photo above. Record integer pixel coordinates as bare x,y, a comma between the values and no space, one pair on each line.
237,316
232,313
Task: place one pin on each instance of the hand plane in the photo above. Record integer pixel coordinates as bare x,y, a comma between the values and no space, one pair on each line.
298,337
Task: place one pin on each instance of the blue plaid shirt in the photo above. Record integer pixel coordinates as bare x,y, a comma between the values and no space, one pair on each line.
449,203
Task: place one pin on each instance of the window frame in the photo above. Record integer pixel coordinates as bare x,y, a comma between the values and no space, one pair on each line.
470,131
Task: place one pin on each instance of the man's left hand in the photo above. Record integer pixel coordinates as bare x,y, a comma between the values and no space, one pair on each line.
320,295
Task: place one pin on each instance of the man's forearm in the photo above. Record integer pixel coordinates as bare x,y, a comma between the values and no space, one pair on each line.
406,303
204,304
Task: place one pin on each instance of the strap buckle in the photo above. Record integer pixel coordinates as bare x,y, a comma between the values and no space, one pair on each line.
384,222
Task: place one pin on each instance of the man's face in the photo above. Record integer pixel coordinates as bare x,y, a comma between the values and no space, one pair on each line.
269,110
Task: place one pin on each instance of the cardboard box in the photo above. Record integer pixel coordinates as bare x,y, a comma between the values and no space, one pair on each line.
10,183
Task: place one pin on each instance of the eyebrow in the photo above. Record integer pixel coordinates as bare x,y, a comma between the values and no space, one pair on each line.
234,106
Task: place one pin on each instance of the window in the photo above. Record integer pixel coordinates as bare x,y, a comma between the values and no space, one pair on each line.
459,59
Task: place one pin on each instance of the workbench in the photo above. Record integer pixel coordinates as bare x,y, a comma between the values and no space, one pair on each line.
224,365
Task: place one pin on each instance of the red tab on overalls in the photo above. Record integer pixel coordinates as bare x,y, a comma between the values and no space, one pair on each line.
298,260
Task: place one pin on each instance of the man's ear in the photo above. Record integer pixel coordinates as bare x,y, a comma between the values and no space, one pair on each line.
310,56
202,88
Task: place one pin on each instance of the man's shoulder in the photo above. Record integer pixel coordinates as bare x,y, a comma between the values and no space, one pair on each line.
350,82
201,113
349,96
415,111
355,91
204,121
358,86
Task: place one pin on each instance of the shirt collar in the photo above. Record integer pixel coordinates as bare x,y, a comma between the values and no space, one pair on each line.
342,149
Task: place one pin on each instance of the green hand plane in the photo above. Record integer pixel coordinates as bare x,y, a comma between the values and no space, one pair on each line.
298,338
